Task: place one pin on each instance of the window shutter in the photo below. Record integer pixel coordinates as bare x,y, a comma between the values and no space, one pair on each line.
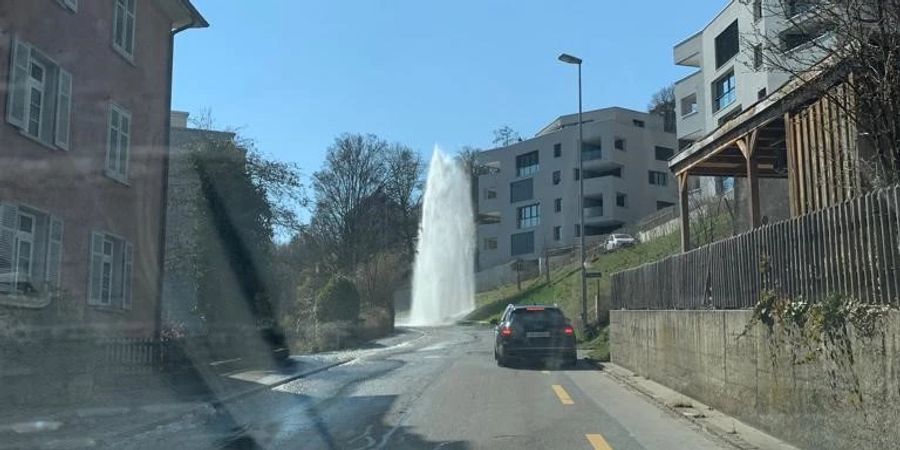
63,109
54,251
96,260
8,218
112,141
124,145
18,76
127,273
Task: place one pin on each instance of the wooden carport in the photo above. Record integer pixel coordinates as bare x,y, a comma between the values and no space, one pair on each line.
772,138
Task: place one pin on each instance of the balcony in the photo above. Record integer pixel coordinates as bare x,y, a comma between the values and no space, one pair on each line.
597,185
593,211
602,220
691,120
594,158
591,153
689,52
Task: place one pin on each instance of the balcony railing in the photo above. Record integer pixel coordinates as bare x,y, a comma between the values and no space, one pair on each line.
591,154
593,211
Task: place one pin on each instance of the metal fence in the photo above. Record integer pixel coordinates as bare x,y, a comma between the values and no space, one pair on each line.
852,248
138,355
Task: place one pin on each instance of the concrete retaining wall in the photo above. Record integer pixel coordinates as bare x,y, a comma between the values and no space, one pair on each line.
762,380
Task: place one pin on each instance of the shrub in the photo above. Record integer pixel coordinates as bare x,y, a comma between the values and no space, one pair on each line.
337,301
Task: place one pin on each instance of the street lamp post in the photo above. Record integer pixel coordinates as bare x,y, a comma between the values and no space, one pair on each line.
569,59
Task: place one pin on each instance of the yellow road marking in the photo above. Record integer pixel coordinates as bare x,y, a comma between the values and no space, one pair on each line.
563,395
598,442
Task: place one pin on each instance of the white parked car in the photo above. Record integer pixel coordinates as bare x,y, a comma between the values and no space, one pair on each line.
617,241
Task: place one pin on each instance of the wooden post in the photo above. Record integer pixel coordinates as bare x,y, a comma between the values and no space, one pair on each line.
518,266
547,264
793,180
685,211
748,148
753,181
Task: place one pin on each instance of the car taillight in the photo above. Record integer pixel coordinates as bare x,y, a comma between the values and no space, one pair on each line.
506,331
569,331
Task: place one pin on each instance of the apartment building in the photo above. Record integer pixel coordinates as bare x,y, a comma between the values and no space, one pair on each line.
86,89
528,201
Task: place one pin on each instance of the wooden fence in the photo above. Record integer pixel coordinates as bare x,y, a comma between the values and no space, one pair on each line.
851,248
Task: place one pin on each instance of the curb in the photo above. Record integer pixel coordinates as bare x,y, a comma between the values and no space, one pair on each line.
147,426
721,434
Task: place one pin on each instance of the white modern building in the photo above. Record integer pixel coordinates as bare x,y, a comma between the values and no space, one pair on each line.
732,56
528,203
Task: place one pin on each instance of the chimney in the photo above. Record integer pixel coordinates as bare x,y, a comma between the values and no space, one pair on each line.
179,119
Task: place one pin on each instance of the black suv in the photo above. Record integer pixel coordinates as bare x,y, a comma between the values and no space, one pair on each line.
534,332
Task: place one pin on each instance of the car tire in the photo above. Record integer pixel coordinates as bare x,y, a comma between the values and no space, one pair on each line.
501,360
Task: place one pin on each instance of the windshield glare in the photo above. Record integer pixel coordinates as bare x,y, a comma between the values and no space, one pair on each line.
449,225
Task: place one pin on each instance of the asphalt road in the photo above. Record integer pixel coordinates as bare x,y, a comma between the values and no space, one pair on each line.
438,388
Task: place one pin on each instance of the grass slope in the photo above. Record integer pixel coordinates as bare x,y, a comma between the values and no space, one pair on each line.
564,287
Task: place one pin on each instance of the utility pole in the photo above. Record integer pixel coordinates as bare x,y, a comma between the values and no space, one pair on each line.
569,59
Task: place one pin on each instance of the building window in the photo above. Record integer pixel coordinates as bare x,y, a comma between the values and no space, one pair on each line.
795,7
619,144
758,56
521,191
40,96
557,205
658,178
757,9
689,105
111,271
557,233
663,205
71,5
490,243
638,123
761,94
123,28
118,143
521,243
577,230
724,92
30,250
527,164
664,153
727,44
621,200
557,150
490,194
557,177
528,216
577,174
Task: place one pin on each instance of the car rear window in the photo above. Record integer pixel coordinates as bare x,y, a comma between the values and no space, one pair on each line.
535,318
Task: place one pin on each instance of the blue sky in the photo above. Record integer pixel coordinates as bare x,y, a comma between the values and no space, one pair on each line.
296,73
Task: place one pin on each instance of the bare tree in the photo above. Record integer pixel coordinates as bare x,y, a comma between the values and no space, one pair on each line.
404,188
354,171
505,136
663,103
857,41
